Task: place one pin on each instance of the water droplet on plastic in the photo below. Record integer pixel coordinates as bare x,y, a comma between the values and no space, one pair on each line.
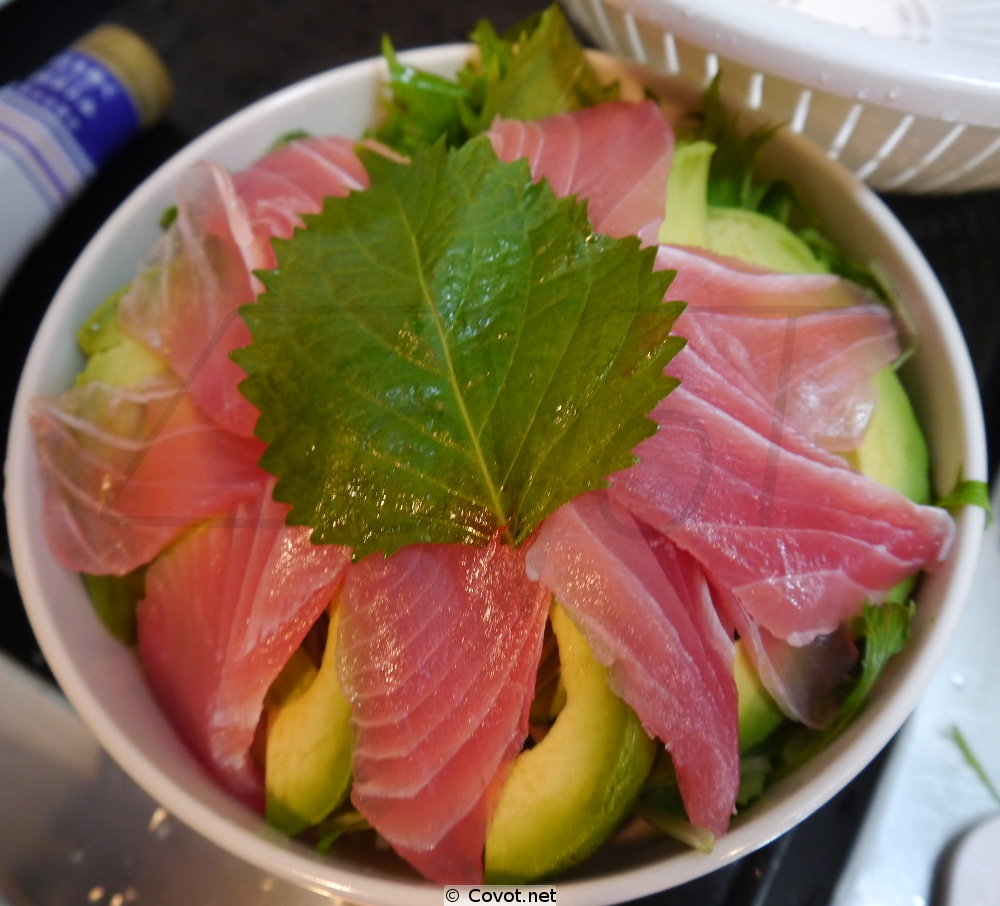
894,94
861,94
957,680
824,77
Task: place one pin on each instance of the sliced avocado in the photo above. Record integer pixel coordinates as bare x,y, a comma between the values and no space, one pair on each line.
759,239
894,452
114,599
894,449
101,330
563,797
685,221
113,357
309,741
749,235
759,715
127,363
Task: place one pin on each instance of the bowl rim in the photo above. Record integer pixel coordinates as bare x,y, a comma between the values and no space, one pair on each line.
229,826
944,82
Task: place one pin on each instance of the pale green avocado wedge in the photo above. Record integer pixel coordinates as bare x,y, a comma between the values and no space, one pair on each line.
125,364
114,599
564,797
894,450
102,330
759,716
309,740
113,357
686,214
735,232
757,238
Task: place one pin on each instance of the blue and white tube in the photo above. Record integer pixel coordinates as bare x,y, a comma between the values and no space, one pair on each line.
59,125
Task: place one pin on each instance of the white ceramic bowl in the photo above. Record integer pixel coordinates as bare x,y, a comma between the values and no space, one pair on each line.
102,678
905,93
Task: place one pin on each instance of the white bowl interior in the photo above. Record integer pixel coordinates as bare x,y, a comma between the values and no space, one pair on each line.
103,680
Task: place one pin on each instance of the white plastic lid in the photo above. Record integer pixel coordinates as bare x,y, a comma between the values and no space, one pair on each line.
928,57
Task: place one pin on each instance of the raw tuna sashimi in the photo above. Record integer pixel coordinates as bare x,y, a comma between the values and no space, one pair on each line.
706,280
801,540
647,616
184,303
438,650
737,474
224,609
125,470
812,370
616,156
293,180
803,680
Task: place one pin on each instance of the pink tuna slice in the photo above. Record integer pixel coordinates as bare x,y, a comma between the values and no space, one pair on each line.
812,370
706,280
813,365
616,155
647,617
736,476
801,540
802,680
184,303
293,180
125,470
225,607
438,649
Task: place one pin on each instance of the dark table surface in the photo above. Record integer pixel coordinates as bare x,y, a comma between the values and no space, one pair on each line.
224,54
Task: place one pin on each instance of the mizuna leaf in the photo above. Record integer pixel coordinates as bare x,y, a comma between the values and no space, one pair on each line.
535,69
452,353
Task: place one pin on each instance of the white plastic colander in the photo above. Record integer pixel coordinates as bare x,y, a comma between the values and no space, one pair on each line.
904,93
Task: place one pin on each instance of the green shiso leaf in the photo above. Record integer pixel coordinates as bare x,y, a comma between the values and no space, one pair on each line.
535,69
451,353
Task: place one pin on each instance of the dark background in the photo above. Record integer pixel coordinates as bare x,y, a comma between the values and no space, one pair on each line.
224,54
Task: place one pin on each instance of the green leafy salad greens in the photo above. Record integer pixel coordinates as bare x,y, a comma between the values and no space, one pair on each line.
535,69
